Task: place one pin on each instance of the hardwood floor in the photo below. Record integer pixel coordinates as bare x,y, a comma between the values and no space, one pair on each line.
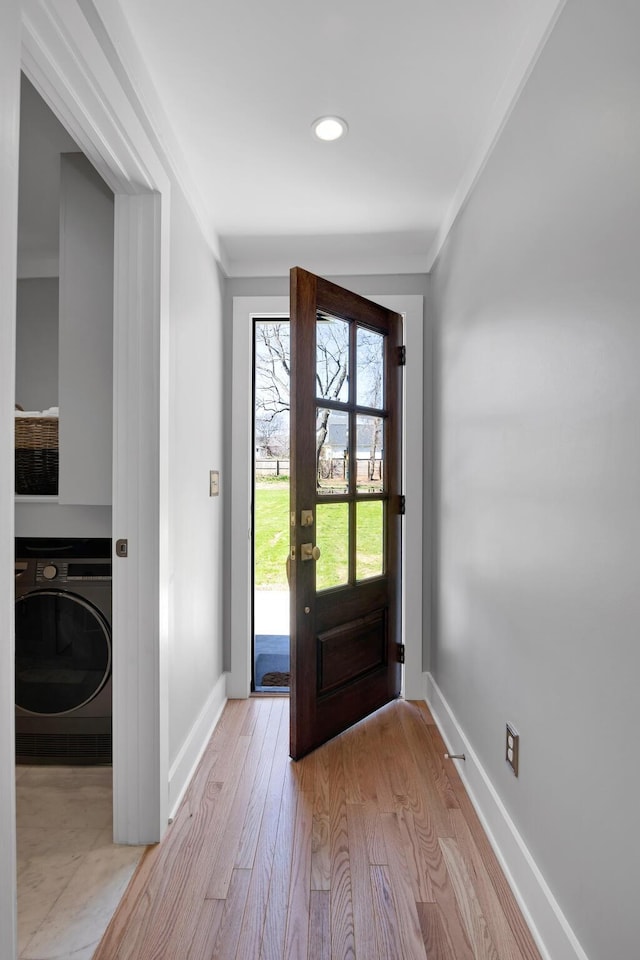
368,849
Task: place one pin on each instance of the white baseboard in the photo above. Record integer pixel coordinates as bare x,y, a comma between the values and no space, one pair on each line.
549,926
183,767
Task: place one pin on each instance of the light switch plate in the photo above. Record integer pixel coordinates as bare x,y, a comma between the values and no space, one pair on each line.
214,483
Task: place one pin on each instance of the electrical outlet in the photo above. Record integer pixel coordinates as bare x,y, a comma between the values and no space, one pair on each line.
512,749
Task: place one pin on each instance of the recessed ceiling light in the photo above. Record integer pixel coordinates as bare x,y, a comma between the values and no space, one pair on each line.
329,128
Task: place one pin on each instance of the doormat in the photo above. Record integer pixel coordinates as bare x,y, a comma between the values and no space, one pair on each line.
272,670
276,679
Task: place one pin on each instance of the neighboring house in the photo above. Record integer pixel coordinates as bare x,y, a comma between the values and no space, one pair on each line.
533,305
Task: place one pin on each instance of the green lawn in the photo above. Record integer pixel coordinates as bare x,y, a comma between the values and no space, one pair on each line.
272,539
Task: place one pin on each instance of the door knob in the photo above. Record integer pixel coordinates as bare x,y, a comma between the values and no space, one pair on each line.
309,552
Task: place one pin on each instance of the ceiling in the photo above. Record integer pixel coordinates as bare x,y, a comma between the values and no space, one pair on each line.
233,87
423,84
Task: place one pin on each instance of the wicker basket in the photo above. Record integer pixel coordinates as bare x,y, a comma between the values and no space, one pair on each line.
37,455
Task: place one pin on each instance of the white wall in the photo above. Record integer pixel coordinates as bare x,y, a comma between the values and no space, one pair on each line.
37,343
86,333
196,410
537,294
41,519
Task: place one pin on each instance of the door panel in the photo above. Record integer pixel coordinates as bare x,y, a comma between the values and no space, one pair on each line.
345,501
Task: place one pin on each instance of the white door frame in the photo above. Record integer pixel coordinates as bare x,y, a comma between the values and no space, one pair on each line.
245,309
9,142
77,73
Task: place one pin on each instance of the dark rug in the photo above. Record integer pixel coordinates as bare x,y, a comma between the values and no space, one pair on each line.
276,679
272,670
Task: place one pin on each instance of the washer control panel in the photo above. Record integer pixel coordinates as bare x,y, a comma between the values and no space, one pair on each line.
68,571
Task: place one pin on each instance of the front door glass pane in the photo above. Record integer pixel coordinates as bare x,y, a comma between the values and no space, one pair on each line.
370,368
332,358
369,539
332,537
369,454
332,451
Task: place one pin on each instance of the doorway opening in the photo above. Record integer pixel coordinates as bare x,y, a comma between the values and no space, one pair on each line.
270,499
416,601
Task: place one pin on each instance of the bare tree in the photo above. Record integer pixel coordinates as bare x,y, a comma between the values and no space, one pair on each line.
272,440
273,368
332,367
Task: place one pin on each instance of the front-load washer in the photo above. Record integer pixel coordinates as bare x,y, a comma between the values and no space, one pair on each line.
63,650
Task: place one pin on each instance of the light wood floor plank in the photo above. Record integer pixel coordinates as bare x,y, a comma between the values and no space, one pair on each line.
151,926
435,749
434,933
512,912
218,761
417,862
374,834
342,930
403,898
321,849
455,929
362,893
230,924
385,919
257,798
354,756
250,939
275,923
320,925
432,795
222,864
367,788
297,935
206,931
376,820
501,932
472,916
381,737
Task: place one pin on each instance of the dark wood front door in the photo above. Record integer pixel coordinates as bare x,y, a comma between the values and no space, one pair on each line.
345,510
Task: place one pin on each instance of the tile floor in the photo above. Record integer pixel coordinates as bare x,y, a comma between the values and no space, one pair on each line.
70,875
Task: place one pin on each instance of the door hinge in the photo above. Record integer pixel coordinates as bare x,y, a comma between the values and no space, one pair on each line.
402,505
402,356
401,653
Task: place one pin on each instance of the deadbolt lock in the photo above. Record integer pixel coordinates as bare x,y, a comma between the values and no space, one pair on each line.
306,518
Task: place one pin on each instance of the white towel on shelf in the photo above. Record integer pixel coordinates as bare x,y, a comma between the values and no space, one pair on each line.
51,412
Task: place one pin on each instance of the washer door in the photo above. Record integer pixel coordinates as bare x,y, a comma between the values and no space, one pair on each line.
63,652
